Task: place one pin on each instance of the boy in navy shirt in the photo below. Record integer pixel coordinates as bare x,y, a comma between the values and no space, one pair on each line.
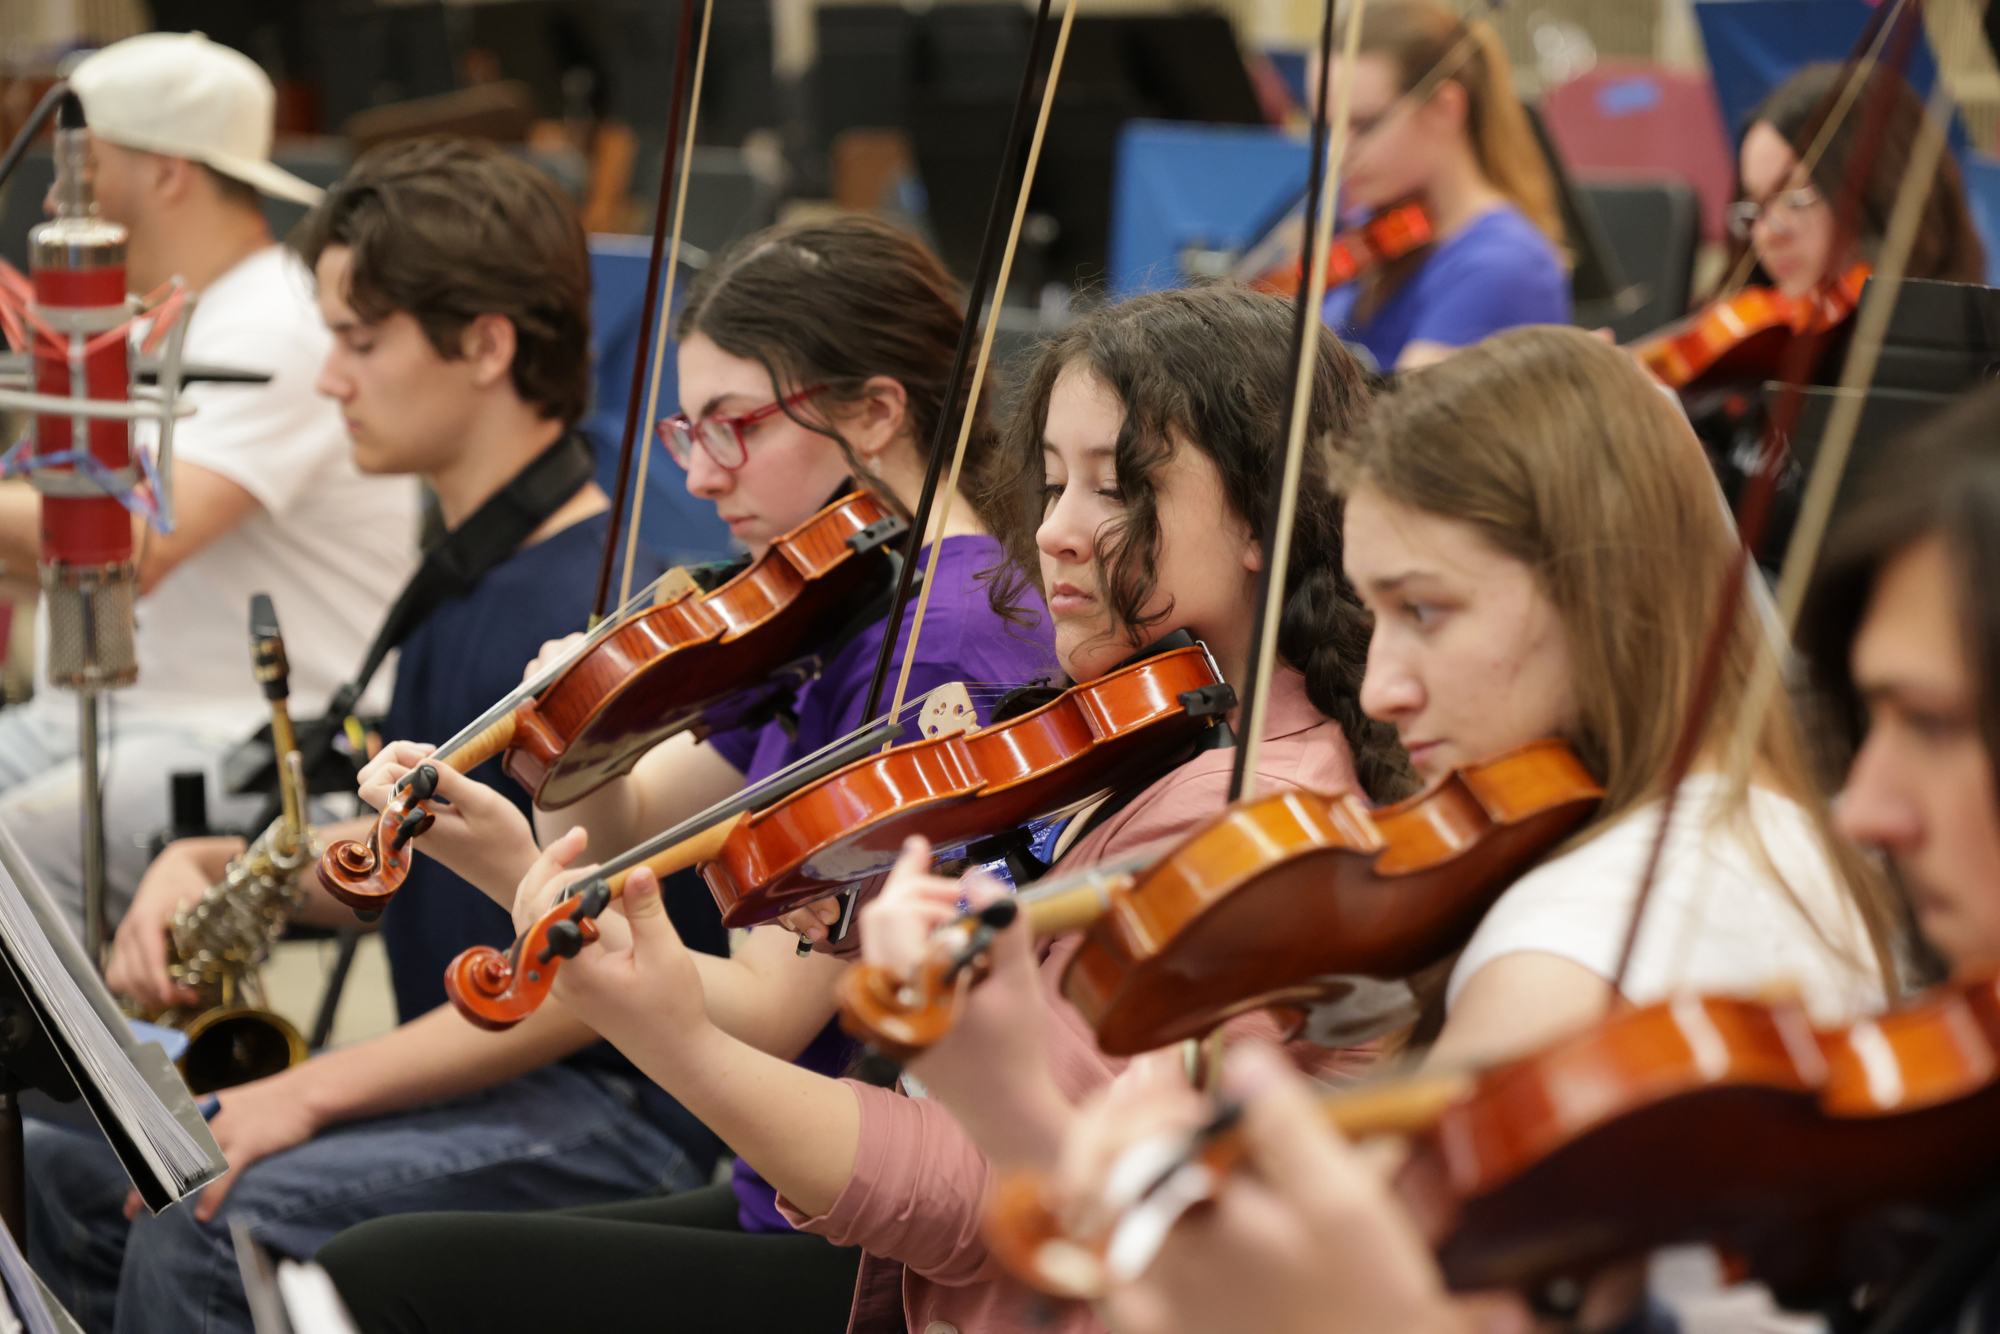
456,284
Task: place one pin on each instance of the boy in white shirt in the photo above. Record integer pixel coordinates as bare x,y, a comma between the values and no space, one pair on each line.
267,497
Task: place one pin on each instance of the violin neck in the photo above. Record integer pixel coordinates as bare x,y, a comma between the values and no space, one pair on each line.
1073,902
1403,1106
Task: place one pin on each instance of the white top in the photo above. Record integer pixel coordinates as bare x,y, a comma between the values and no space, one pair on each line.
331,546
1716,921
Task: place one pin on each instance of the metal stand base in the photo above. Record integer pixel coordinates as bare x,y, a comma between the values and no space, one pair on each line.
93,826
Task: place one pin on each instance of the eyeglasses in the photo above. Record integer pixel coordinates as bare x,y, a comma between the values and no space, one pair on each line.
722,436
1781,212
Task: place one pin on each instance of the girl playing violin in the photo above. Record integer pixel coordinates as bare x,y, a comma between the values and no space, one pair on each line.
1305,1239
1136,467
811,357
1786,215
1540,544
1466,151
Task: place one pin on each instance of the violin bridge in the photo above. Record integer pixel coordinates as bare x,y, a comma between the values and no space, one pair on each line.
674,585
947,711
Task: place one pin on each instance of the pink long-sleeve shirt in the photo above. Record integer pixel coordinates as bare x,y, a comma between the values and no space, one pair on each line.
919,1180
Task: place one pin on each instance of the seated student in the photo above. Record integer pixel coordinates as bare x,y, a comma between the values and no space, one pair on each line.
1467,152
1305,1239
1786,215
811,357
1135,476
467,375
1508,520
266,496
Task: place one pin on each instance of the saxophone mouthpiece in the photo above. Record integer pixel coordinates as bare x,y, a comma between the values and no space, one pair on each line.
267,648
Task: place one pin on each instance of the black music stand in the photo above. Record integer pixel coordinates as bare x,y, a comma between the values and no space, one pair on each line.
1943,341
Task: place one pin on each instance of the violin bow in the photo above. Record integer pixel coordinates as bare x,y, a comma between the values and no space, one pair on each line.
1322,202
1871,327
672,271
989,250
979,365
1755,508
650,314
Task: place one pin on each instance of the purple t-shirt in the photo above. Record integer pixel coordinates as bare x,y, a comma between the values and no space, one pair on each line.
1497,272
962,640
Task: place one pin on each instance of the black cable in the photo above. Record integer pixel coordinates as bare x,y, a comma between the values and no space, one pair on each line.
33,126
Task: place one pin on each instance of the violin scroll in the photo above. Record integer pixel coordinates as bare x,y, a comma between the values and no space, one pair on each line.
901,1018
492,988
365,877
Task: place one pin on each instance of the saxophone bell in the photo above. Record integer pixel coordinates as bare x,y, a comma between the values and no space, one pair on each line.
217,943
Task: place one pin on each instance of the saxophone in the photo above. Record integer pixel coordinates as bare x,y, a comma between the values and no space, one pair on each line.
216,943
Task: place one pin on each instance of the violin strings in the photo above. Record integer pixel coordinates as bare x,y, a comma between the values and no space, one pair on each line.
666,302
936,536
745,799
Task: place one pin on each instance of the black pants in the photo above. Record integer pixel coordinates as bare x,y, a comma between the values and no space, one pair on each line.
675,1263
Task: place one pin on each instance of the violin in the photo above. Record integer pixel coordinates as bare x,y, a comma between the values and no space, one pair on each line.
1811,1156
961,788
691,660
1744,337
1258,907
841,817
496,989
1392,233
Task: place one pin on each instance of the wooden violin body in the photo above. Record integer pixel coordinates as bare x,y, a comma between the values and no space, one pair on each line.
1279,892
1259,907
958,789
1708,1119
1820,1159
1392,233
1744,338
697,659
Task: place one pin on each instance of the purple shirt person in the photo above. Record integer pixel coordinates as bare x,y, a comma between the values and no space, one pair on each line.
962,639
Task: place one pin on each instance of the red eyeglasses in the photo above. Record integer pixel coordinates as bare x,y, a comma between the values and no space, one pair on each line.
722,436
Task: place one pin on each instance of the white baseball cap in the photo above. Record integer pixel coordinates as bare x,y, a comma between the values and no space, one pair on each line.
185,96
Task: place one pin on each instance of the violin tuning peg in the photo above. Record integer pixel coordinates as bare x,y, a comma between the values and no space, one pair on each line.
565,938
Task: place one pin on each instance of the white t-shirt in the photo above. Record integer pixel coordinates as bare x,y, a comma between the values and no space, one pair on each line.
332,547
1716,922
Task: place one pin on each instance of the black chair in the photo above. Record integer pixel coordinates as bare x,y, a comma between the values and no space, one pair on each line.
1653,225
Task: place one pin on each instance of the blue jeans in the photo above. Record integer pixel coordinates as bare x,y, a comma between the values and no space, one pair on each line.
551,1139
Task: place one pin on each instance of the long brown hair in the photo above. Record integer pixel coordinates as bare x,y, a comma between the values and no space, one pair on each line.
1210,367
1419,37
1558,451
1947,246
838,302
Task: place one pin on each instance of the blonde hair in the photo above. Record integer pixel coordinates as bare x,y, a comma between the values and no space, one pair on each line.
1420,36
1561,454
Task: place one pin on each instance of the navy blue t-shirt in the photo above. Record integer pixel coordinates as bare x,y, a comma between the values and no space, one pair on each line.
468,654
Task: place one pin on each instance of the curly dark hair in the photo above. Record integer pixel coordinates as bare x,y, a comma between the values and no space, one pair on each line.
1211,367
452,229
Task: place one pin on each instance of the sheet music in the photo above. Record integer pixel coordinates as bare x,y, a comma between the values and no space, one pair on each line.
131,1087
